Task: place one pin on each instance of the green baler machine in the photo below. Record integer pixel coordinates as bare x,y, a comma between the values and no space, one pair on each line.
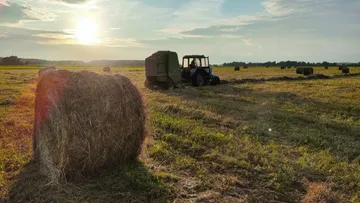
162,69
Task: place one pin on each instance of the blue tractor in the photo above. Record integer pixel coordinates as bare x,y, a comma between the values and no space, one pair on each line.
197,69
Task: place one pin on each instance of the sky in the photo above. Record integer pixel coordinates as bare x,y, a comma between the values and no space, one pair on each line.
224,30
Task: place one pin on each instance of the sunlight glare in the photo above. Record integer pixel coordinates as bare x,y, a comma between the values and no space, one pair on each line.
86,30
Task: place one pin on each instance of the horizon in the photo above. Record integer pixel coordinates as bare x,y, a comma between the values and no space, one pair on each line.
224,30
221,63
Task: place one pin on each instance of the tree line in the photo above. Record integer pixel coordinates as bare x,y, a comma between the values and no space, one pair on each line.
287,63
14,60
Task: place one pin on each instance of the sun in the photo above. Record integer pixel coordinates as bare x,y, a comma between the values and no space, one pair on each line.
86,31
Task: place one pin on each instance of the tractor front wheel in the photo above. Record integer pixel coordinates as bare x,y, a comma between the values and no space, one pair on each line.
215,80
199,79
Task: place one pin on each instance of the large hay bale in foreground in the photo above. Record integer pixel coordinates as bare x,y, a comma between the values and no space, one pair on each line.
85,121
45,70
106,69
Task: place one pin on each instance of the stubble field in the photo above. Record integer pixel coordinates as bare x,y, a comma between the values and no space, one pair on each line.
280,141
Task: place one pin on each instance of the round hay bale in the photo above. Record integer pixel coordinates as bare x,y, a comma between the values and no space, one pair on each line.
106,69
345,70
237,68
326,67
76,133
45,70
246,67
308,71
305,70
282,67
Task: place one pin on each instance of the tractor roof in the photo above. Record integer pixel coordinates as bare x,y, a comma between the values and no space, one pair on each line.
194,56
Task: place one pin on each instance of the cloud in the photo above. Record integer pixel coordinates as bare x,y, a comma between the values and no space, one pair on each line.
230,36
118,42
12,13
75,1
229,29
31,35
179,33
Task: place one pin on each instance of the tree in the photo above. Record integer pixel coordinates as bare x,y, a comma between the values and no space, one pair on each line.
11,60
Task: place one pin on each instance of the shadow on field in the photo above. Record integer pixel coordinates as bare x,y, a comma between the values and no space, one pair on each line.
293,120
133,183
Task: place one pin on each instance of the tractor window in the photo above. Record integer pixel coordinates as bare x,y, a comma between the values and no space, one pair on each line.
196,60
203,62
186,63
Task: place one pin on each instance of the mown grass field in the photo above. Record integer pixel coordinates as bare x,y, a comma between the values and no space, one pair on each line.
256,142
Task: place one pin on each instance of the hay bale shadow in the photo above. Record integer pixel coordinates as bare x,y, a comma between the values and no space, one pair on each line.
130,183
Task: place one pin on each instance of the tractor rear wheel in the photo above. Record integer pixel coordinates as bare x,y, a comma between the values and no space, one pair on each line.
199,79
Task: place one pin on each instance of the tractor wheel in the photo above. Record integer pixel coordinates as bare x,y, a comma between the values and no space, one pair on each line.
215,81
199,79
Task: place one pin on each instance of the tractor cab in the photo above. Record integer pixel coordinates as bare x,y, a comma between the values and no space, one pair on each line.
196,68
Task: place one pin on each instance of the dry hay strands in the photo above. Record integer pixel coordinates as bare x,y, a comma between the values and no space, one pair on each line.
85,122
320,193
106,69
45,70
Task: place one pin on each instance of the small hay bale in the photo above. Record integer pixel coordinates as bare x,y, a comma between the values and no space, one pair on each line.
237,68
345,70
106,69
341,67
246,67
305,70
326,67
300,70
45,70
282,67
308,71
76,133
